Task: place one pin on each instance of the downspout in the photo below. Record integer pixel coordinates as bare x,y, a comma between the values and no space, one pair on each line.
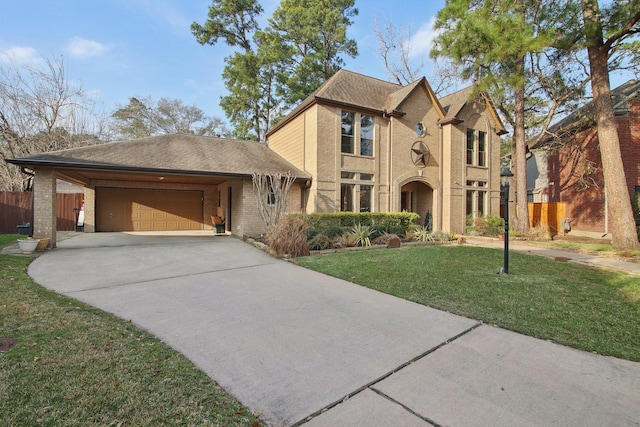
440,176
389,152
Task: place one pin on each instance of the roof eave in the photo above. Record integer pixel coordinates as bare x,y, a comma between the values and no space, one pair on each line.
34,163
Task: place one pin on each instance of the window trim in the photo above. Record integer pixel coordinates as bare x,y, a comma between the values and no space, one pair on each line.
356,136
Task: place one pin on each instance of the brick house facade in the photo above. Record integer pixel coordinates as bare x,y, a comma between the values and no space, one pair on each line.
568,169
372,145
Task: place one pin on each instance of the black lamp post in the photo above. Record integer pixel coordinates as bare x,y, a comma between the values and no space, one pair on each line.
505,183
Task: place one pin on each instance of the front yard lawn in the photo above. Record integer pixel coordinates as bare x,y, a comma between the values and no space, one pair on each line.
75,365
579,306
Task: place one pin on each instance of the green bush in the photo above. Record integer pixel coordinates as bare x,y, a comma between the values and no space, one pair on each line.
362,234
319,242
378,230
333,231
386,221
422,234
494,225
485,225
398,231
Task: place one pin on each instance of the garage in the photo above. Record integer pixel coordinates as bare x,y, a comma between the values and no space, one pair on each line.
131,209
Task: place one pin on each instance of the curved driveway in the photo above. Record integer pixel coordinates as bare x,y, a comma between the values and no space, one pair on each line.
289,342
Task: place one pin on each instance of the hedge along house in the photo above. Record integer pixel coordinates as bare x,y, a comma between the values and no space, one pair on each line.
372,145
169,183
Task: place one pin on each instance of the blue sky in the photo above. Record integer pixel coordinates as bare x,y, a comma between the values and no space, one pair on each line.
124,48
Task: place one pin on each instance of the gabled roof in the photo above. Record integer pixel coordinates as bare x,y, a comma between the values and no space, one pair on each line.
360,92
583,117
455,102
175,153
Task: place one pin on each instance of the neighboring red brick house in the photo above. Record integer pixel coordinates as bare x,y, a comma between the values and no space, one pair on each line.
567,168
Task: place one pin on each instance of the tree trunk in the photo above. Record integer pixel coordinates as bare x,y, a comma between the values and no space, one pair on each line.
522,224
617,194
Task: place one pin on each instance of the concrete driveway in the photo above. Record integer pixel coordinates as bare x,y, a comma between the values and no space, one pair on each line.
300,347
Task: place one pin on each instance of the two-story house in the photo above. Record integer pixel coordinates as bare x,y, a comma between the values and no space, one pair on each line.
356,144
372,145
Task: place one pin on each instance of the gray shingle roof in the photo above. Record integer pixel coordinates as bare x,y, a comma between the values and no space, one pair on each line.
353,90
172,153
583,117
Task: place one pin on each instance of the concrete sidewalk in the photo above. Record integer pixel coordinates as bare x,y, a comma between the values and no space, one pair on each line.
600,261
300,347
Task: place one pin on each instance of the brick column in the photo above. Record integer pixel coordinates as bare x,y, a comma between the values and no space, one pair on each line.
44,205
89,210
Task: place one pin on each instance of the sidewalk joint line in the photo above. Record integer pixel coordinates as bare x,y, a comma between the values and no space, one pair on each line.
406,408
163,278
384,376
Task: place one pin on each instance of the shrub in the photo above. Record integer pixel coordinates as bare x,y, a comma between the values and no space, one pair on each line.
386,220
489,225
319,242
378,230
382,240
347,240
311,233
333,231
442,236
421,234
362,234
289,237
398,231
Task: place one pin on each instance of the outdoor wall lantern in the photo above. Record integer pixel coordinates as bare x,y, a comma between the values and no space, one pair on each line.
505,184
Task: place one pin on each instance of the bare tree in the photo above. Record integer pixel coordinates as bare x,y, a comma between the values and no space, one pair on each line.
146,117
41,110
272,190
395,48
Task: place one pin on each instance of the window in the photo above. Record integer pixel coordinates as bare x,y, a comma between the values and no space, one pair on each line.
357,134
366,192
366,135
348,120
346,197
271,197
477,199
482,148
356,192
470,146
476,148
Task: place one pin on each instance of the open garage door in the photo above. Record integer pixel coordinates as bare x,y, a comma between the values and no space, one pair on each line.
127,209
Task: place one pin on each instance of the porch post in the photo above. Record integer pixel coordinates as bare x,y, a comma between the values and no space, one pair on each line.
44,205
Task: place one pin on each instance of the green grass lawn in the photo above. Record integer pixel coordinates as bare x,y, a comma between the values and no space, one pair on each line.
78,366
575,305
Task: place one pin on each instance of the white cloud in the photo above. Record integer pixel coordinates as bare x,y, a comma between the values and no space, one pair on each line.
422,40
20,55
83,48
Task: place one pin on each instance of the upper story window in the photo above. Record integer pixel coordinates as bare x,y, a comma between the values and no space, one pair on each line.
366,135
357,134
348,127
476,148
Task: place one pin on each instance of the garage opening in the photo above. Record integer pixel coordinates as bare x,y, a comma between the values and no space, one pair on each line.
129,209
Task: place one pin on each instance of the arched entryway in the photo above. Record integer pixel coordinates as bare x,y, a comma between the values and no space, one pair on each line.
417,196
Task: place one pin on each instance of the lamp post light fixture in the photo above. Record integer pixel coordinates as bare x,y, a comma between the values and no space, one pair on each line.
505,183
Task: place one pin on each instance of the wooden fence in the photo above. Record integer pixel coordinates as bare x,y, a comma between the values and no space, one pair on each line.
15,209
548,214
